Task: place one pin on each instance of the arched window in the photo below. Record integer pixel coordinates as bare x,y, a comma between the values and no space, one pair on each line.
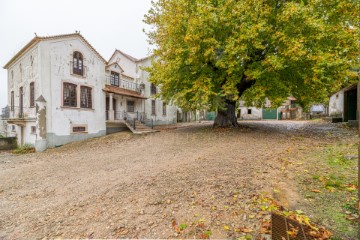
32,95
69,95
78,63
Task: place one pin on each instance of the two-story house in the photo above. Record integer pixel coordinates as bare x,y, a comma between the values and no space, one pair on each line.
60,90
55,91
130,97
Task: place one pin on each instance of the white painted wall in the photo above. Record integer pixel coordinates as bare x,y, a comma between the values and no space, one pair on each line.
256,113
56,70
336,104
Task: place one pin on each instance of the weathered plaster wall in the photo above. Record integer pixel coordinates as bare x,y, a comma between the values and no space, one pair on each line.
158,118
56,69
336,104
256,113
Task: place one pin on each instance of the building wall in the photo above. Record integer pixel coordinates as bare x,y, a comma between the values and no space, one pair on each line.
158,118
56,57
336,104
20,74
256,113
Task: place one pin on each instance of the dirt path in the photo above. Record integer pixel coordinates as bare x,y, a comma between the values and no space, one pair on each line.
123,185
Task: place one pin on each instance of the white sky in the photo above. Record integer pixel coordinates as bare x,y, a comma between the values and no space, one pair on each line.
106,24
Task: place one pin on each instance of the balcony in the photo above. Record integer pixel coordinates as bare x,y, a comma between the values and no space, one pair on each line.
121,83
18,115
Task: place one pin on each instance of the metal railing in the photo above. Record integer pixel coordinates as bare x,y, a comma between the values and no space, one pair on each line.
123,115
121,83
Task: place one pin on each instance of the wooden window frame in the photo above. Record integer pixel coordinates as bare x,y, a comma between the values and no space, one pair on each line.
153,107
114,79
33,129
74,98
153,89
85,92
164,108
32,94
78,63
78,128
133,106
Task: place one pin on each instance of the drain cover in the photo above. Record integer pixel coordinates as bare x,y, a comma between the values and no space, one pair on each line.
283,228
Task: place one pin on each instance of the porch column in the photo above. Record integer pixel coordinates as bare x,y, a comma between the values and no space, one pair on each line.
111,107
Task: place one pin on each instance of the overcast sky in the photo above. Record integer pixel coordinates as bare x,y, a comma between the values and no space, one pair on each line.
106,24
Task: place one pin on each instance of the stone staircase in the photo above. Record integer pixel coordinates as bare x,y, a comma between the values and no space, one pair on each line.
140,127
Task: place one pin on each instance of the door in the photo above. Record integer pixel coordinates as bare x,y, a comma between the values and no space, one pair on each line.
269,113
350,105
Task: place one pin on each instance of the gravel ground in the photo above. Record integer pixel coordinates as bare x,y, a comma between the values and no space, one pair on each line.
127,186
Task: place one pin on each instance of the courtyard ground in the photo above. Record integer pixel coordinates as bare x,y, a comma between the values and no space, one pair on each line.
190,182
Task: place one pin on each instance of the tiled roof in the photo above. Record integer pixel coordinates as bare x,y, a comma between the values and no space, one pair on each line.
131,58
37,39
122,91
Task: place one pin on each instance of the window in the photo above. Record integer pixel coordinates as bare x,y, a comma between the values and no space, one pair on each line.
130,106
33,130
78,66
69,95
85,97
79,129
21,102
164,109
13,128
114,78
153,107
249,111
12,74
32,95
12,101
153,89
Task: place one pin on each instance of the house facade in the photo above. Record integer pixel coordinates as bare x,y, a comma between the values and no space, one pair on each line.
55,94
289,110
60,90
343,105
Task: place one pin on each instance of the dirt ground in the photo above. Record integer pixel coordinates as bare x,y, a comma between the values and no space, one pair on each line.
180,182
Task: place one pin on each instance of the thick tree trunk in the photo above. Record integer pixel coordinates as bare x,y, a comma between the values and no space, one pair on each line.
227,117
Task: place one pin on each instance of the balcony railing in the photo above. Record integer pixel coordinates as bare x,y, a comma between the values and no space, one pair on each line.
21,113
123,115
121,83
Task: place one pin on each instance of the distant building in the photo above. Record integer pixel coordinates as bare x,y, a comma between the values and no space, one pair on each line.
343,105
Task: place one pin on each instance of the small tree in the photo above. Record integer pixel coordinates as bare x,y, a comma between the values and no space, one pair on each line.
211,52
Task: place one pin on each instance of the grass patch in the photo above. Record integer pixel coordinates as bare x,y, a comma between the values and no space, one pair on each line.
24,149
331,188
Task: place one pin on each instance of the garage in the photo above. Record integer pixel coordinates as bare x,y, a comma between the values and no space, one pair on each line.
269,113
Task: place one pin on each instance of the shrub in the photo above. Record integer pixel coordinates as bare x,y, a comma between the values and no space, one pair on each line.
24,149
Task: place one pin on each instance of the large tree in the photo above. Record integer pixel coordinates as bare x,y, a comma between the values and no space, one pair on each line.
209,53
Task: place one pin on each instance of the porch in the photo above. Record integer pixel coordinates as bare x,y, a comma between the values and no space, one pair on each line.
125,107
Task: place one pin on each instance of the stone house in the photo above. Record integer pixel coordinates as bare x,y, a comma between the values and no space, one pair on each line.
60,90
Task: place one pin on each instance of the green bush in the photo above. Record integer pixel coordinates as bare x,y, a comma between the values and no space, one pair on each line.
24,149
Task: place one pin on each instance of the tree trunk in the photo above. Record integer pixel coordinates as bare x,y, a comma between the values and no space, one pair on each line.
227,117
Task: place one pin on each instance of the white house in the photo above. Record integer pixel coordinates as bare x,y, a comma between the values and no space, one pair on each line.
130,97
55,91
60,90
